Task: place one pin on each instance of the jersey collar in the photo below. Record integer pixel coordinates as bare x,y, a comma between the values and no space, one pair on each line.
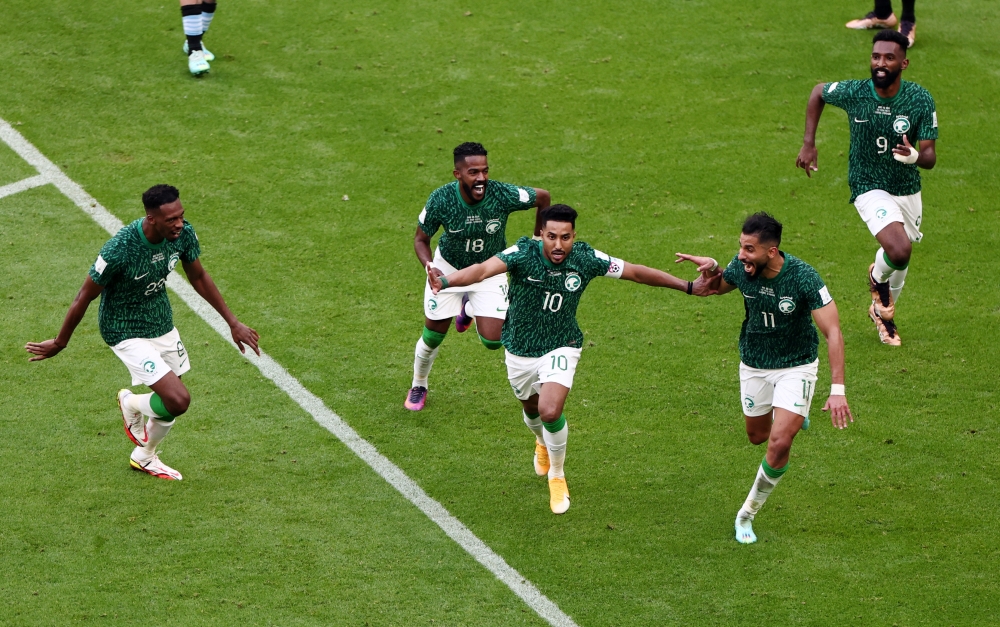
871,84
142,236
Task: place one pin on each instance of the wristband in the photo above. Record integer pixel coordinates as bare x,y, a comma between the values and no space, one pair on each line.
444,282
714,267
690,287
908,159
837,389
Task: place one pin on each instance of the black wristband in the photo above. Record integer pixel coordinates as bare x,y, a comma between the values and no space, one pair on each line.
690,287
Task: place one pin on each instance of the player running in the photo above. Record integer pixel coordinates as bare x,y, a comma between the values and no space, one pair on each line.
473,211
893,131
541,336
136,321
779,355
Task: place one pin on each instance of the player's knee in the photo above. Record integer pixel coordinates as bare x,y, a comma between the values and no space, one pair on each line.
780,445
490,344
757,437
899,253
549,413
178,402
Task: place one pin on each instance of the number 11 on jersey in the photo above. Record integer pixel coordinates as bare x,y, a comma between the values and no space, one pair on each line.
766,314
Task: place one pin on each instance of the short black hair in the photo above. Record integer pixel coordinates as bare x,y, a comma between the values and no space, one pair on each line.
765,227
468,149
894,36
560,213
159,195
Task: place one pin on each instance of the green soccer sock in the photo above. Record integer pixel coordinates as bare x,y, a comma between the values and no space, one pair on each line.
424,355
490,344
158,408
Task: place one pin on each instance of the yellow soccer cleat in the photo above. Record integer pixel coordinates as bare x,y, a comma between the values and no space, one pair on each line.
870,21
541,460
558,495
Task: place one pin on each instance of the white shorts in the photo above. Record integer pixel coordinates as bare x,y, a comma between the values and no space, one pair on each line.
150,359
879,209
487,298
527,374
787,388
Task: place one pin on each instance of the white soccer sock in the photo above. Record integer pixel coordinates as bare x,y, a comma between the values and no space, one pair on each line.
535,424
882,270
423,359
206,15
556,443
761,489
192,24
140,403
896,282
156,430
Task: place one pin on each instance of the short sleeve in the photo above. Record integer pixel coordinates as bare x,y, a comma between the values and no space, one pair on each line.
514,197
606,265
192,249
838,93
429,219
730,274
107,266
515,254
927,124
817,295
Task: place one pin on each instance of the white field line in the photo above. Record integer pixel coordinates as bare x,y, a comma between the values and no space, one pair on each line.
50,173
20,186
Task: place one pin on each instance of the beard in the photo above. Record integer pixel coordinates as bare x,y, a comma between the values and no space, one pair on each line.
757,269
889,79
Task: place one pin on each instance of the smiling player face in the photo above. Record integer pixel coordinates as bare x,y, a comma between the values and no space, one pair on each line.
557,240
755,255
472,173
887,63
167,221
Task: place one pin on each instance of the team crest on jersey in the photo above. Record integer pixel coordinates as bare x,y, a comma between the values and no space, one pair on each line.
901,125
881,213
786,305
149,366
174,258
492,226
573,282
748,403
432,304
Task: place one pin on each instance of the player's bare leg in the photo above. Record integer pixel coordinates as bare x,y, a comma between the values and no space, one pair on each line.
548,406
886,278
778,434
169,399
423,359
489,331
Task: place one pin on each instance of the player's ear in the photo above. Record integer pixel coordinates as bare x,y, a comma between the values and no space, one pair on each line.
905,64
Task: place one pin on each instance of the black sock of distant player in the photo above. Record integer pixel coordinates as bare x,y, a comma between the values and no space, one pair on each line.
908,15
191,18
883,8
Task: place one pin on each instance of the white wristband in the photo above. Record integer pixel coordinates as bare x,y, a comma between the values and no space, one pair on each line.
837,389
715,266
908,159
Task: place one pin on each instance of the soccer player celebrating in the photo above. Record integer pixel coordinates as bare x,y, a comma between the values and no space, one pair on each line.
541,336
893,131
778,350
196,17
473,211
135,319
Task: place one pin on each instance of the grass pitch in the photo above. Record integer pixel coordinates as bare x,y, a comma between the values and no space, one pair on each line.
664,123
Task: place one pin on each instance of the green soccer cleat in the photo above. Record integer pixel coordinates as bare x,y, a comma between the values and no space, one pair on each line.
208,55
197,63
744,531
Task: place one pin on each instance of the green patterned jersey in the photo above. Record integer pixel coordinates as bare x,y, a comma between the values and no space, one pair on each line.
134,273
877,126
473,233
778,331
544,296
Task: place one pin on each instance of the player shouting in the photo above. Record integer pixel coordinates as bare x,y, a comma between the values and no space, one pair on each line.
779,350
473,211
136,321
893,131
541,336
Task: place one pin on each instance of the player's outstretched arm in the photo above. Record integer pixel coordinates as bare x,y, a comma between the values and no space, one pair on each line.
542,200
658,278
205,286
466,276
828,321
710,283
50,348
807,159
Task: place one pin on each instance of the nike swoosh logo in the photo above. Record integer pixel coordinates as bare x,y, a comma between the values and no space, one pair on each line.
745,296
799,405
458,231
139,277
860,121
498,309
536,280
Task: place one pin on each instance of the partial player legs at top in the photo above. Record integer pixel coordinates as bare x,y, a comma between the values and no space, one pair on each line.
196,16
881,16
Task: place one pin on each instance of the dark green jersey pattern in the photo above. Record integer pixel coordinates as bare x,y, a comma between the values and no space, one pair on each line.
544,296
877,126
778,331
472,233
134,273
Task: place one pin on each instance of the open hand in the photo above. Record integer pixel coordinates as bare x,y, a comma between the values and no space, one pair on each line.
43,350
839,411
808,159
242,334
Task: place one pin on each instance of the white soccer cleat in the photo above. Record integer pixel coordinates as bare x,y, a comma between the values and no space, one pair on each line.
135,426
197,63
744,531
208,55
153,466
